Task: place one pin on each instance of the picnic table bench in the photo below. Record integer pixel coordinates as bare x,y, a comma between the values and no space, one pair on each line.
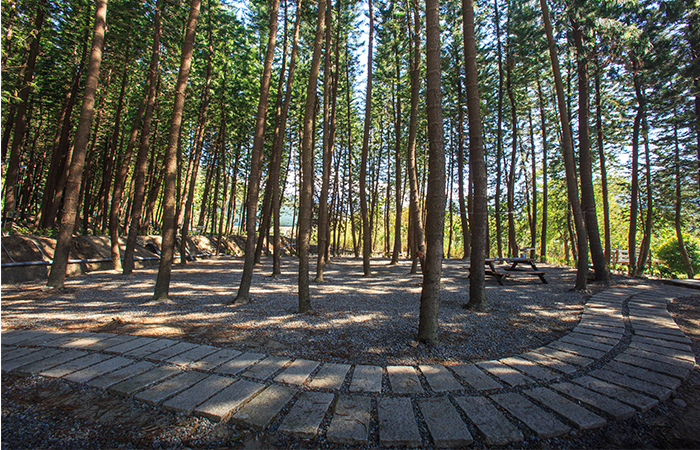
501,272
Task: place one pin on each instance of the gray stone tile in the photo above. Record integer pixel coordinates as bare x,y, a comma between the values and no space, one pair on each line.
577,349
444,423
494,426
439,378
111,378
105,344
664,358
529,368
580,416
223,404
505,373
618,410
214,360
49,338
632,398
351,421
650,389
86,343
682,346
581,336
153,347
261,410
188,357
297,372
567,357
187,400
139,382
170,387
169,352
404,380
75,365
673,370
544,424
239,364
666,334
266,368
643,374
331,376
304,419
96,370
130,345
28,356
397,423
367,379
549,362
49,362
475,377
592,331
588,343
16,337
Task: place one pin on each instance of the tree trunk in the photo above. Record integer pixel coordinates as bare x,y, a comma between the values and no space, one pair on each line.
646,240
499,137
256,161
57,274
170,159
678,203
366,227
513,246
397,162
306,194
533,171
568,153
601,157
634,192
466,238
543,122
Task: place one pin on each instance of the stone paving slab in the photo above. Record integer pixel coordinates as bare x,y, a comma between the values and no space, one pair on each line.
444,423
529,368
9,352
404,380
215,359
664,358
304,419
259,412
16,337
643,374
594,338
588,330
350,424
549,362
397,423
632,398
569,358
580,416
139,382
666,368
588,343
679,336
505,373
265,368
130,345
439,378
111,378
187,400
169,352
492,424
650,389
223,404
105,344
618,410
153,347
49,362
75,365
577,349
367,379
475,377
170,387
297,372
96,370
544,424
330,376
684,347
239,364
46,339
86,342
189,356
28,356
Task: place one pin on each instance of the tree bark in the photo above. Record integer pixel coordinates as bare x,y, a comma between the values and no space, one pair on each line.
601,158
57,275
634,192
366,226
499,137
678,204
256,161
543,122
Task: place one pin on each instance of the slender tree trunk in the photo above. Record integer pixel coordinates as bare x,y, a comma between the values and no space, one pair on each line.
466,233
366,227
397,162
144,145
568,153
678,204
601,157
693,31
170,160
477,166
499,136
646,240
306,194
256,161
634,193
533,171
588,205
57,274
543,123
513,246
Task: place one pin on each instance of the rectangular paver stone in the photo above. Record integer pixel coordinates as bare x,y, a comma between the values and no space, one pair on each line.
643,374
188,357
75,365
444,423
544,424
28,356
172,386
439,378
404,380
153,347
657,366
87,342
505,373
397,423
367,379
265,368
52,361
124,373
580,416
351,420
577,349
239,364
16,337
632,398
261,410
223,404
96,370
529,368
112,342
128,387
331,376
297,372
475,377
645,387
169,352
567,357
589,343
187,400
130,345
495,427
215,359
549,362
618,410
307,413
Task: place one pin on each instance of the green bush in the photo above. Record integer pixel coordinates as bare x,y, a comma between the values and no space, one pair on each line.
670,254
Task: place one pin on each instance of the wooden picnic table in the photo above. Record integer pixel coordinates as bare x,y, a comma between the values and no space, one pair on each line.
500,272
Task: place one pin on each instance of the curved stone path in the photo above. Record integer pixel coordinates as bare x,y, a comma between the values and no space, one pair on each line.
626,355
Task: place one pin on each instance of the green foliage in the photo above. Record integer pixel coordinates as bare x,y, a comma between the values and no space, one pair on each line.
670,254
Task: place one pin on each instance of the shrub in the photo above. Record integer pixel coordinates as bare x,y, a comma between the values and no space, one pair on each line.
670,254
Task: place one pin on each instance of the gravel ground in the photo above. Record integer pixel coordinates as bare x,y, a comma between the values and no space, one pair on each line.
357,320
